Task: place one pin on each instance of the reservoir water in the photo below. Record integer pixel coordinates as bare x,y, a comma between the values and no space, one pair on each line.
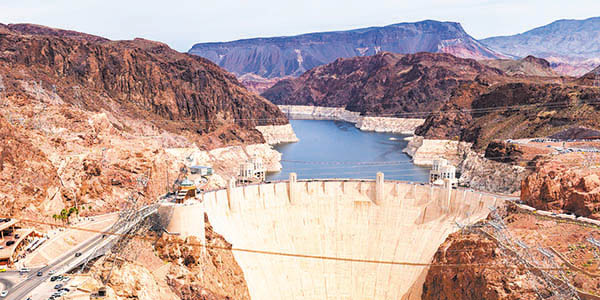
334,149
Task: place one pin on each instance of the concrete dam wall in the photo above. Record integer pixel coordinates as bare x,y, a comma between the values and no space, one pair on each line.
357,219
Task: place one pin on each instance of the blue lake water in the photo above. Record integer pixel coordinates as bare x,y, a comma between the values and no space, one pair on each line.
334,149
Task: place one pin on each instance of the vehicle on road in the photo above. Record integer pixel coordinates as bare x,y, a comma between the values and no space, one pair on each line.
2,270
24,270
78,254
3,294
40,273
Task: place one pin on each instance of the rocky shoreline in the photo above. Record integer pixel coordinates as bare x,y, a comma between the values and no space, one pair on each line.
475,170
364,123
226,161
278,134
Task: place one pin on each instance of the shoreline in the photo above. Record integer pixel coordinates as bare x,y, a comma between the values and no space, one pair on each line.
405,126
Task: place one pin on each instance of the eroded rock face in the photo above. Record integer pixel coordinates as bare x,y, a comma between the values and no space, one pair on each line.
563,188
85,121
140,78
530,65
503,152
445,126
385,83
203,273
26,173
472,282
484,174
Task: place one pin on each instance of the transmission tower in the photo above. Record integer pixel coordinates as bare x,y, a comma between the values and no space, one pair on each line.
517,252
130,214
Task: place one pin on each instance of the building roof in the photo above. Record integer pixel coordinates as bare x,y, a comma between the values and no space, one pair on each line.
187,182
8,251
5,225
200,167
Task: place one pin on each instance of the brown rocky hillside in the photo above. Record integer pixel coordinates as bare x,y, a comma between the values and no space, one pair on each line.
139,78
84,120
387,83
528,66
497,271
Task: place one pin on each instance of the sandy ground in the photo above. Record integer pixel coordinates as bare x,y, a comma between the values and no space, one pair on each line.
62,241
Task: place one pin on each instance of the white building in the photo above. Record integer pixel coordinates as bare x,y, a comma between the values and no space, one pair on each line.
442,171
252,171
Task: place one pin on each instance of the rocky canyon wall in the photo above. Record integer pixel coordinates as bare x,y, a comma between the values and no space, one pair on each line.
475,170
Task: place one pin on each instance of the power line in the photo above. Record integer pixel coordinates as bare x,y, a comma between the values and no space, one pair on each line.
418,113
296,255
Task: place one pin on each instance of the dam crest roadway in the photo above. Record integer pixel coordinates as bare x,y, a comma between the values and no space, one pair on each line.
355,219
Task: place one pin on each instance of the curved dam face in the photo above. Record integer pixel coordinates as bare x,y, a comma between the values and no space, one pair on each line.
364,220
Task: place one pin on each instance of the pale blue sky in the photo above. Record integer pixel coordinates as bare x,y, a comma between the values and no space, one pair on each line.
182,23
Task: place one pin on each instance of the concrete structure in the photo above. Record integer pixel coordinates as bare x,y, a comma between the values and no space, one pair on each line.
442,173
252,171
201,170
11,240
186,189
358,219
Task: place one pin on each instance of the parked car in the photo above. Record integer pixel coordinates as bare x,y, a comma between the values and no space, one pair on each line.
54,278
2,269
51,272
8,243
58,286
24,270
3,294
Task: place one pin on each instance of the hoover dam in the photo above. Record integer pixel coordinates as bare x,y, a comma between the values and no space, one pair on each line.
355,239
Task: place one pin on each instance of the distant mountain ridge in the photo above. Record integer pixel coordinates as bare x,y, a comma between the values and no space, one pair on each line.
294,55
387,83
570,45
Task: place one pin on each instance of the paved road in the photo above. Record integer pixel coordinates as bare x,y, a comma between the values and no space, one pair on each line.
25,288
68,261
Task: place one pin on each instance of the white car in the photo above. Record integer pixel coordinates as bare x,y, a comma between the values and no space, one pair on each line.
51,272
4,294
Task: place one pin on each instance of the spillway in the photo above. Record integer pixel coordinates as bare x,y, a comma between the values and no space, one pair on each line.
357,219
